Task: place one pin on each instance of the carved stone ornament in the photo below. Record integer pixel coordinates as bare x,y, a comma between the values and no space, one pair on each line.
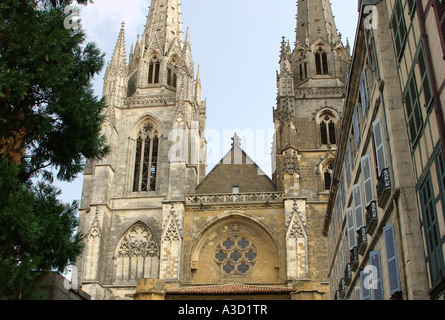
138,241
172,232
291,165
297,225
95,231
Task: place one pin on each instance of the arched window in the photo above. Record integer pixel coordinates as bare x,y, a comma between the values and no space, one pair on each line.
153,70
146,159
327,130
321,61
171,72
328,176
302,67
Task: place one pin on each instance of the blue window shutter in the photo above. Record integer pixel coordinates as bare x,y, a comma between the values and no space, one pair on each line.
358,206
366,292
363,92
352,235
391,259
356,126
379,145
347,165
367,179
377,287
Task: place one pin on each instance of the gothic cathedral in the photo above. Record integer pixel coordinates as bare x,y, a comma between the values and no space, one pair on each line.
150,210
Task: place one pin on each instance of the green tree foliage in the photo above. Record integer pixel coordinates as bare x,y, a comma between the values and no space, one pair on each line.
36,232
50,122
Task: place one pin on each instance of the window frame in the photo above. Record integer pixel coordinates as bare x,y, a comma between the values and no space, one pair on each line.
398,26
145,165
430,225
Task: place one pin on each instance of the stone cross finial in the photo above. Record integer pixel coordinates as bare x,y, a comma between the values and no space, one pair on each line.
236,141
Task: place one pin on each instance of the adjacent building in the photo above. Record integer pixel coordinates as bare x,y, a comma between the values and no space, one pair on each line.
385,217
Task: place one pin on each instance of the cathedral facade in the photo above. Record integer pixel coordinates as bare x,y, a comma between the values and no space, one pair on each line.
152,214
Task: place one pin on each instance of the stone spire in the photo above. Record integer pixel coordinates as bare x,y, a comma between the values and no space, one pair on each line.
198,86
119,60
164,24
114,82
315,21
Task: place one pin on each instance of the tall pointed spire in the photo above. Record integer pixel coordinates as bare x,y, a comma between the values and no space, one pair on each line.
198,87
119,59
315,20
164,24
116,72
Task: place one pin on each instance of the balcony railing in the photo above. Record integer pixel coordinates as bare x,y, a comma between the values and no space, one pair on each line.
354,258
371,217
337,295
342,288
384,187
270,197
362,240
348,274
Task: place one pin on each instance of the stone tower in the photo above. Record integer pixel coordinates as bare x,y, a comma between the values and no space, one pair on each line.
311,91
133,200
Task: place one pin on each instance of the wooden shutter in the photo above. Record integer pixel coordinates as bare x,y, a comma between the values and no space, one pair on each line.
357,293
379,146
366,292
367,179
440,18
348,164
391,259
356,127
339,209
377,288
358,206
352,235
363,92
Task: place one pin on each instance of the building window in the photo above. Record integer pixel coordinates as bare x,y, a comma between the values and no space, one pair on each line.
303,71
426,87
368,187
153,70
356,127
440,165
327,130
376,275
392,259
372,53
379,146
171,72
398,26
132,82
171,77
411,4
363,92
430,224
321,61
328,176
146,159
439,8
236,255
413,110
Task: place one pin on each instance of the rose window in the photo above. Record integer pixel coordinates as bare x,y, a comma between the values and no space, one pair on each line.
235,254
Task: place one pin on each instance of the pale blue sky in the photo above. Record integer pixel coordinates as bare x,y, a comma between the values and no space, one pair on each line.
237,45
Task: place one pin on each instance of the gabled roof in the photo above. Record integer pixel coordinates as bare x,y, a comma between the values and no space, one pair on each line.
236,168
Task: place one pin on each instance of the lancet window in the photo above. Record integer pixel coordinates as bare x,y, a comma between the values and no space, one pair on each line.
146,159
